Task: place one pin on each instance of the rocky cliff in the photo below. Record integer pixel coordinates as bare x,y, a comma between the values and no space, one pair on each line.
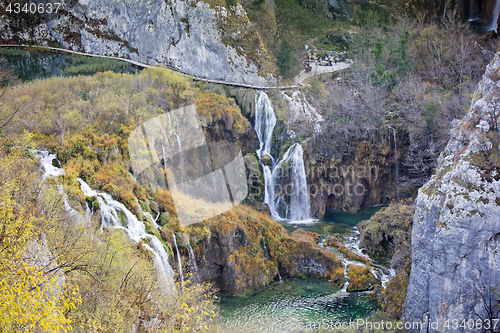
242,249
455,270
214,40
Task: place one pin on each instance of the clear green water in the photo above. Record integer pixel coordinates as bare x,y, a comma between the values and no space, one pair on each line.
335,222
30,64
293,305
299,305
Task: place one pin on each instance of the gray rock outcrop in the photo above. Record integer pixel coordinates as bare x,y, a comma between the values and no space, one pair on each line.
208,41
455,274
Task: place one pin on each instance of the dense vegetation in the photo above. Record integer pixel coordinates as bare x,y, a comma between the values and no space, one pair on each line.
409,75
110,284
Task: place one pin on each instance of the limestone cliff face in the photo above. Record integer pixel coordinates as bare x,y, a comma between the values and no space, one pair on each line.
211,41
455,270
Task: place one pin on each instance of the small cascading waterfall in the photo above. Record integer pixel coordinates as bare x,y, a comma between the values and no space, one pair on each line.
396,161
351,242
298,207
46,163
181,156
266,250
192,261
51,171
179,262
110,218
136,231
346,277
300,107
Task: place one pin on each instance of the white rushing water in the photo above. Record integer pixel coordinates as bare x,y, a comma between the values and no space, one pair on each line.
110,212
292,201
179,262
496,13
46,163
265,120
192,261
51,171
300,108
136,231
299,208
352,244
396,161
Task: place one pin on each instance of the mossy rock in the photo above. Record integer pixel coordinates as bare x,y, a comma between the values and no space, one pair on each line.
92,202
150,229
145,207
360,278
182,239
153,206
123,219
164,218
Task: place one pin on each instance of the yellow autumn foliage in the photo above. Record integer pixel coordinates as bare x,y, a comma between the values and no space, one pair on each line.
31,299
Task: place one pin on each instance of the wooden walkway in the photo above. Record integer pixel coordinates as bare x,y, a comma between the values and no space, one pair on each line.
316,70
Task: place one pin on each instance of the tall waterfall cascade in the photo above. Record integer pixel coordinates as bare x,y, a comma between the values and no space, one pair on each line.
292,200
299,207
136,231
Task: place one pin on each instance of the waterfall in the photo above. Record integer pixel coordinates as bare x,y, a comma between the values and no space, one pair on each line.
299,208
269,191
265,120
110,210
383,277
266,250
88,212
299,107
46,163
192,260
397,162
352,241
496,13
179,262
110,218
380,273
346,277
292,165
51,171
164,156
